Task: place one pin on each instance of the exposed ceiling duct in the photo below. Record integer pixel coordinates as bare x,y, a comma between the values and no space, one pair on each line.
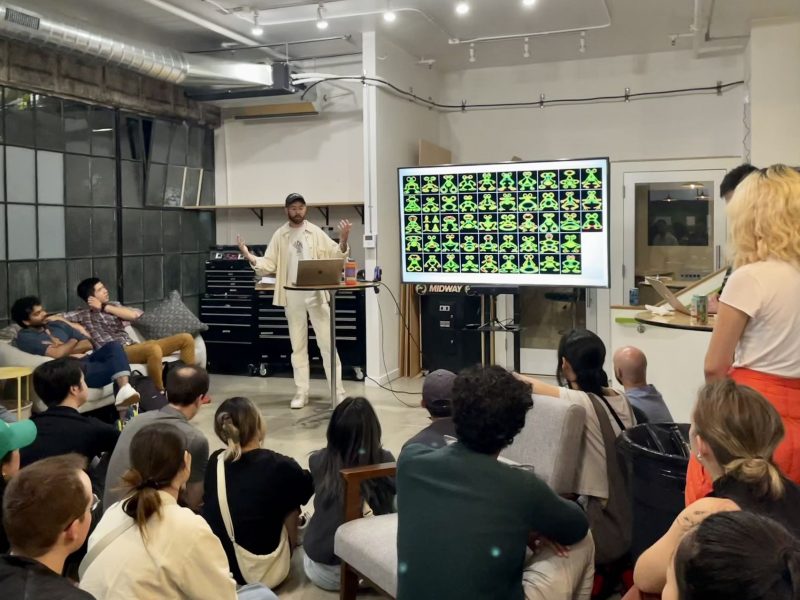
191,71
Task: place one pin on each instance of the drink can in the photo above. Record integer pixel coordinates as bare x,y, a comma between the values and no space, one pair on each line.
350,272
699,308
633,296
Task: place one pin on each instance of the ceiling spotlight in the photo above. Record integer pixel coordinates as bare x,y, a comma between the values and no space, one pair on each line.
322,24
390,16
462,8
257,30
582,43
528,3
472,53
526,49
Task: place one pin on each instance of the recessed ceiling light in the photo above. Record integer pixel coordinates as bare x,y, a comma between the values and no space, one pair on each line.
462,8
528,2
390,16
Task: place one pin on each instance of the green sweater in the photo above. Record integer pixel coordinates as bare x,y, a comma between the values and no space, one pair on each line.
464,520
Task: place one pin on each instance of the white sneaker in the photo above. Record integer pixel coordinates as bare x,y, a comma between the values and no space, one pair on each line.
126,396
299,401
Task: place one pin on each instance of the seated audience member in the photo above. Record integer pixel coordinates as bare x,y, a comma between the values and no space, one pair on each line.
734,434
354,440
47,512
187,391
736,555
147,546
436,393
106,321
62,429
630,370
7,416
13,436
56,338
465,519
263,493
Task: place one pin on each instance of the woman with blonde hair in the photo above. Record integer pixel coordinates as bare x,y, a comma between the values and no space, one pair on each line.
255,511
734,434
756,338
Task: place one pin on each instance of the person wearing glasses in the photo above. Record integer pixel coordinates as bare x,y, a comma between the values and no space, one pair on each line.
47,514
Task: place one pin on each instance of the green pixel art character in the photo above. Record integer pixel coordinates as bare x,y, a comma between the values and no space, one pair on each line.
432,264
430,205
487,183
489,265
528,244
448,187
526,182
548,180
592,222
469,245
451,266
413,225
550,264
509,244
569,182
467,183
528,202
432,245
414,243
548,223
506,183
528,264
468,203
528,225
468,223
591,201
570,244
508,223
488,244
450,244
469,265
570,265
430,224
507,202
430,186
570,222
487,202
412,204
548,201
413,265
569,201
411,186
449,223
549,244
449,204
591,180
488,223
509,265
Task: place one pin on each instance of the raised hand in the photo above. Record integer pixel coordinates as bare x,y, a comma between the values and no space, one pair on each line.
242,246
344,230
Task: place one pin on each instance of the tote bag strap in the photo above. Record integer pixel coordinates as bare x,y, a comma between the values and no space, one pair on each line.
222,497
102,545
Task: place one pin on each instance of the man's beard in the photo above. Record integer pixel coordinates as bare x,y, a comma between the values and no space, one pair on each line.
297,219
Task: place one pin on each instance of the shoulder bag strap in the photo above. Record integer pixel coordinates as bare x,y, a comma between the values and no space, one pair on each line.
611,410
98,548
222,497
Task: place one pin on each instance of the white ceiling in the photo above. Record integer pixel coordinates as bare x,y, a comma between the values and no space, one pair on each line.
423,27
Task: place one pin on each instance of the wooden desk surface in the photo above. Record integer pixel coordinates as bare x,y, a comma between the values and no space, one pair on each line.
359,285
675,321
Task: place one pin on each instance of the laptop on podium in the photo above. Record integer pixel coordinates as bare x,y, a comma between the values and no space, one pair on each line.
667,295
319,271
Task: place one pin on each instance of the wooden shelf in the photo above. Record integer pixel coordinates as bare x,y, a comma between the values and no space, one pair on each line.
258,209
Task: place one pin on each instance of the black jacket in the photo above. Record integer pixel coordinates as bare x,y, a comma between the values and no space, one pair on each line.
25,579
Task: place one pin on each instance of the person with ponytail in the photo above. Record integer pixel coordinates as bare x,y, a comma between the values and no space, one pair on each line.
146,545
734,434
264,490
737,555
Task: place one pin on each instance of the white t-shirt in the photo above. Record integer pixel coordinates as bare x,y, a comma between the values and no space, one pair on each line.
298,251
769,293
592,468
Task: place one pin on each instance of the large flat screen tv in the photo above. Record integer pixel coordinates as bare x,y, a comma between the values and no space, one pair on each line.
522,223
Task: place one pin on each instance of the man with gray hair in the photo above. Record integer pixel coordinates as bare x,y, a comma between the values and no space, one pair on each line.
630,369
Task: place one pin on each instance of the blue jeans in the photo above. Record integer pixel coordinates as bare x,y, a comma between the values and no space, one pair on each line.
105,364
327,577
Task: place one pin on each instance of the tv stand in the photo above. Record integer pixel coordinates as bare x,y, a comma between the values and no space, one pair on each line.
491,324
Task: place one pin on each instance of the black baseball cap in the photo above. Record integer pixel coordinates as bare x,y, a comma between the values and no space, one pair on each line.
437,390
294,197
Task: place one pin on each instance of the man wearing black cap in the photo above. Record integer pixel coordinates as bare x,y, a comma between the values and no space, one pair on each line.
294,241
436,393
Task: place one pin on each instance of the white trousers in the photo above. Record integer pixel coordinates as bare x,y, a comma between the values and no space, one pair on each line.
548,576
300,307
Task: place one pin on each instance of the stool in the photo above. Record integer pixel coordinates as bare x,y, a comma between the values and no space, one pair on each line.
571,298
18,373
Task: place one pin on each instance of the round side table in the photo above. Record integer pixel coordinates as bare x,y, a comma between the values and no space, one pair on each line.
18,373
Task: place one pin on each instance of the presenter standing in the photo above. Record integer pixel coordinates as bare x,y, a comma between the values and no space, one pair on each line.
299,240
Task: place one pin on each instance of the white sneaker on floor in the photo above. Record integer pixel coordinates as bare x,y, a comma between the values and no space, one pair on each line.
299,400
126,396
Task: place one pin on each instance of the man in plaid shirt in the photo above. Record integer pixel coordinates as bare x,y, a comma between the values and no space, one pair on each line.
106,321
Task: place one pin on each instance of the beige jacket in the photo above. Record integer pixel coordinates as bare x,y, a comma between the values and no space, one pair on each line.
275,259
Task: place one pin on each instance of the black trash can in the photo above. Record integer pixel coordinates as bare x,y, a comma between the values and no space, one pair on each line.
656,457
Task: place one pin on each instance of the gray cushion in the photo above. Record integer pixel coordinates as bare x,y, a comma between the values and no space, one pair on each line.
170,317
369,545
